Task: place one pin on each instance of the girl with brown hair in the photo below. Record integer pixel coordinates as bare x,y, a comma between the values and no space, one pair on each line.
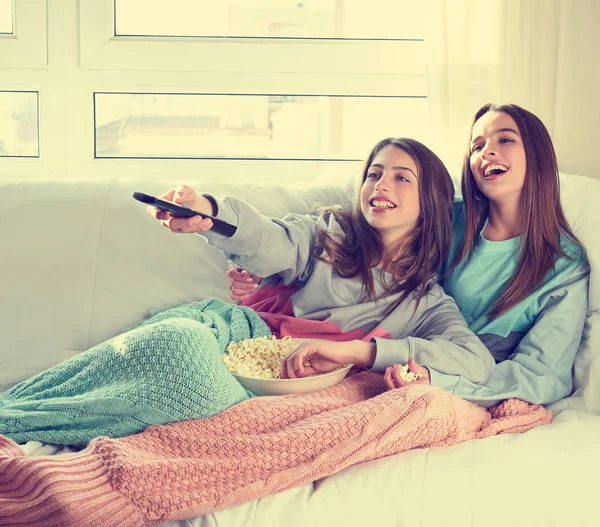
357,283
361,281
516,270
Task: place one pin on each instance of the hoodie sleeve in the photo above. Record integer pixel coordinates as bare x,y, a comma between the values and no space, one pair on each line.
440,341
266,246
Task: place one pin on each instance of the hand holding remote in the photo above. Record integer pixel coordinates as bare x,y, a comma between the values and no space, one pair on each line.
196,215
188,197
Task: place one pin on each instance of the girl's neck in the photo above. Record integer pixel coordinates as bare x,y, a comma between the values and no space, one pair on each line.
397,250
504,221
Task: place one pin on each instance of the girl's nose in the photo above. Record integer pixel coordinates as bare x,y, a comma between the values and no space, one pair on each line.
488,151
383,183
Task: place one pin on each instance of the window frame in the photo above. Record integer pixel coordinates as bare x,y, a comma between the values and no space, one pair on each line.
66,113
101,49
27,46
207,157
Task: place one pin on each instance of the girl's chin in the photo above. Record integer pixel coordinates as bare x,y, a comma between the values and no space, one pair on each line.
380,215
388,227
494,191
377,222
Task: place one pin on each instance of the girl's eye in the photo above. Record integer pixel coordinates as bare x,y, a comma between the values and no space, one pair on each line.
400,177
372,174
474,148
506,140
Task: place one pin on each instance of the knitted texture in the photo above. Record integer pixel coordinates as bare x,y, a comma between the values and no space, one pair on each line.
261,446
165,369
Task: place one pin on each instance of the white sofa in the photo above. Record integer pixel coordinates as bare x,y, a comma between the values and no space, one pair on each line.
81,260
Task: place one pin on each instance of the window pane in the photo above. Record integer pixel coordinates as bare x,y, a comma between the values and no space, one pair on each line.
380,19
250,126
6,16
19,124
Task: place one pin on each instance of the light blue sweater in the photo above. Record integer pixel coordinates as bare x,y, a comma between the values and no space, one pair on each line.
535,342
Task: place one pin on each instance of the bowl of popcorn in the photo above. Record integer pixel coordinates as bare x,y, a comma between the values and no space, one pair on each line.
255,363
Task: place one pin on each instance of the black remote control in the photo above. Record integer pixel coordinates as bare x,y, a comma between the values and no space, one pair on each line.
179,211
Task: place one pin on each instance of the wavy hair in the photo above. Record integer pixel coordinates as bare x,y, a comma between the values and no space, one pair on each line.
414,262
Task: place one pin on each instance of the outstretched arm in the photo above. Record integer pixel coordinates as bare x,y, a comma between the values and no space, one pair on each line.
322,356
262,245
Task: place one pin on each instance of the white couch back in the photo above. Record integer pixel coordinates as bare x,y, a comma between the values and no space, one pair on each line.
81,261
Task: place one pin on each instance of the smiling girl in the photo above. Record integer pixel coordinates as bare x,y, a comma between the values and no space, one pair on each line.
363,278
517,271
359,283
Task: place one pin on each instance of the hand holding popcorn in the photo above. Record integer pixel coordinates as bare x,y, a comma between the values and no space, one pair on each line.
398,376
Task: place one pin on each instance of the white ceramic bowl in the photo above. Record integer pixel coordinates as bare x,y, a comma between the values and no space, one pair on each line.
313,383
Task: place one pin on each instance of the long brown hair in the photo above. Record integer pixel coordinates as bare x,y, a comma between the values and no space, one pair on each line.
415,262
542,218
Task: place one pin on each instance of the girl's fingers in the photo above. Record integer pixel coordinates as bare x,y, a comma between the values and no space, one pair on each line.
168,196
249,277
294,362
414,367
182,194
387,379
187,225
398,381
292,366
241,282
297,360
287,371
283,370
234,273
393,379
238,293
197,224
238,298
241,288
290,369
244,276
157,213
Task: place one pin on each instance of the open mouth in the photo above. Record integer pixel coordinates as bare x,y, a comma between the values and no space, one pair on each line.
381,204
494,170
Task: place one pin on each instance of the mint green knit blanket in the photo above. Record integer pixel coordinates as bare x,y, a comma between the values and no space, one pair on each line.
165,369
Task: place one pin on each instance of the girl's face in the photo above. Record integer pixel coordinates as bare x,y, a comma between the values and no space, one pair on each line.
498,157
389,196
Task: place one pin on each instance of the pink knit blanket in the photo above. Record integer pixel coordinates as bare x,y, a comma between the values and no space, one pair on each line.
253,449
